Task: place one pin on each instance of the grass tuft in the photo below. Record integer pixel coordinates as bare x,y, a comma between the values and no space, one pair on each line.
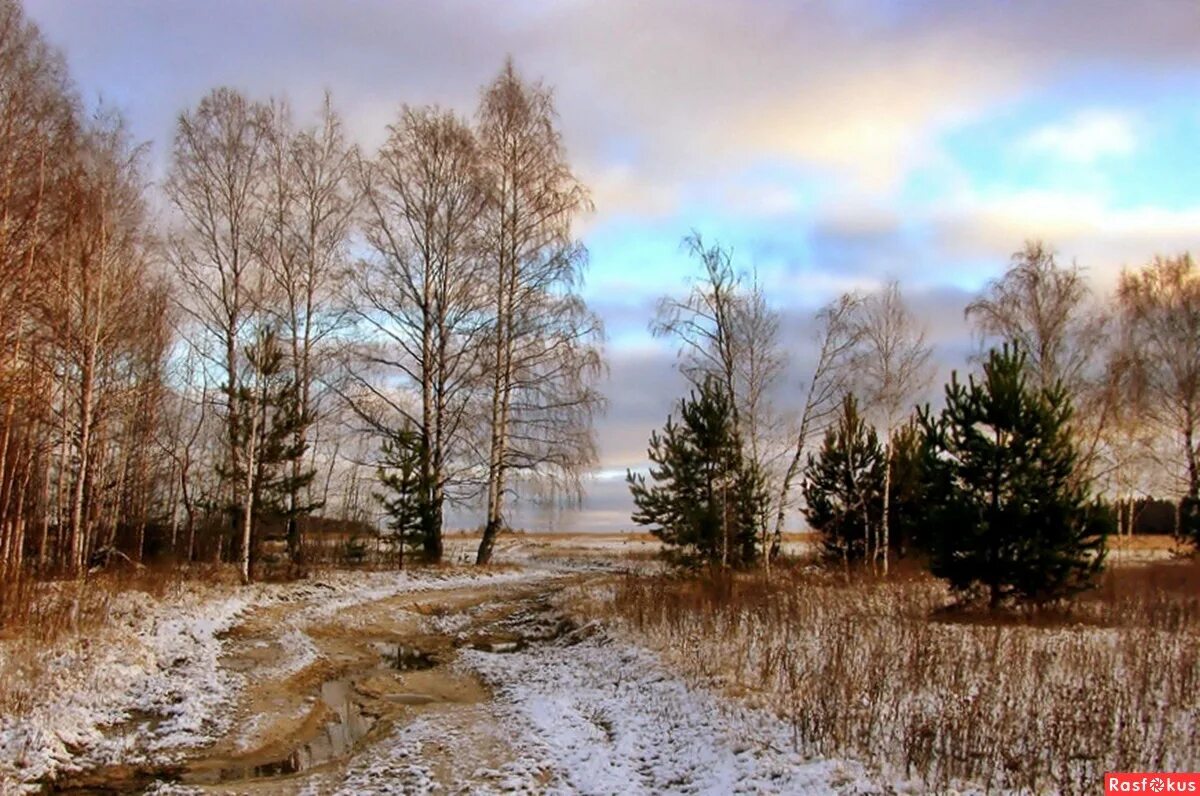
1042,701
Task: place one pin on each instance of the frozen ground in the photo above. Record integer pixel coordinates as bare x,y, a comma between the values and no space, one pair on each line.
180,681
151,684
600,717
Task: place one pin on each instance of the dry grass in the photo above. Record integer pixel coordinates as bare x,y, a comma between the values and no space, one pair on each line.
875,670
48,608
39,616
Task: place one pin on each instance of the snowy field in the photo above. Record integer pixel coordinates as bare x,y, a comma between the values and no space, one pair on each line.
584,713
162,660
602,717
684,701
460,548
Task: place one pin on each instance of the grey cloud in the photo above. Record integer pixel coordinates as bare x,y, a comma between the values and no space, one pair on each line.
642,388
660,96
693,86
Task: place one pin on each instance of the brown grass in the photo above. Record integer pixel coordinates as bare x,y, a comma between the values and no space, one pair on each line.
51,607
1043,701
38,615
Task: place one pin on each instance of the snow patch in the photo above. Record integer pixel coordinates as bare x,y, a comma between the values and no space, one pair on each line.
609,718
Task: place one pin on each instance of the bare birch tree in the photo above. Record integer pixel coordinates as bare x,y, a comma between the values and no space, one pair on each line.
216,187
1049,311
705,322
827,384
727,331
891,367
311,201
544,353
38,139
97,311
421,302
1160,313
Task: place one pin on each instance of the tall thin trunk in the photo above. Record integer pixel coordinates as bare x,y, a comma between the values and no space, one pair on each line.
19,523
60,492
247,517
501,379
189,514
78,529
885,540
44,534
430,534
1189,441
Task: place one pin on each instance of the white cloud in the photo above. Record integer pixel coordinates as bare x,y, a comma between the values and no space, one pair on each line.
1085,138
1085,226
622,188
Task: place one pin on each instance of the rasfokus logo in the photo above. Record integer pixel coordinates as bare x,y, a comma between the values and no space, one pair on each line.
1151,782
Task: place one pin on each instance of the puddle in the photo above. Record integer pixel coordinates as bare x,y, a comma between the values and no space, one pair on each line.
335,739
405,676
118,778
405,658
411,699
493,644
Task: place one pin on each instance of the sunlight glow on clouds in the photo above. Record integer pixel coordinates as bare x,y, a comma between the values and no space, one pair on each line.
1085,138
835,144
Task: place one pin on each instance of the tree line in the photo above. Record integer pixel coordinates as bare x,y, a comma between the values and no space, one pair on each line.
1082,409
305,331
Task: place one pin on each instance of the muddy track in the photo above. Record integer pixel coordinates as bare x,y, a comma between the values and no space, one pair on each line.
324,687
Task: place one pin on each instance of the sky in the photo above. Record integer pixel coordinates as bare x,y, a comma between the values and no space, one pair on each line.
834,145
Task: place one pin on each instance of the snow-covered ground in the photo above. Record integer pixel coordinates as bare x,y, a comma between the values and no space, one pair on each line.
576,715
604,717
607,717
155,667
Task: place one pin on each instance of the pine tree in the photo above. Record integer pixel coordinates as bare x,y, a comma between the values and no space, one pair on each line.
280,445
843,486
907,506
1004,512
405,503
706,501
274,395
1187,524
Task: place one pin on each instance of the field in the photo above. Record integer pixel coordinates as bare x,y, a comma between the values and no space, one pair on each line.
876,671
460,547
580,664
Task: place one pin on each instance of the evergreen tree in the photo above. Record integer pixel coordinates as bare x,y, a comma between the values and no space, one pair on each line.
706,500
1187,525
1005,513
281,417
843,486
274,395
405,503
906,509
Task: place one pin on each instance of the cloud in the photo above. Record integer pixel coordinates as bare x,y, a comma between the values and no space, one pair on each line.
694,88
642,388
1083,226
815,137
1085,138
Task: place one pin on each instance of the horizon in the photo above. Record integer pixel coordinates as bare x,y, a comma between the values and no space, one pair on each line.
832,146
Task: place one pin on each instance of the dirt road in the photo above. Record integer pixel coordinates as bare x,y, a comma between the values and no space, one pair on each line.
486,687
324,685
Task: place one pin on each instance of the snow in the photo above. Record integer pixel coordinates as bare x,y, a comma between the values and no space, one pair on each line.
152,661
153,672
588,713
610,719
604,717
